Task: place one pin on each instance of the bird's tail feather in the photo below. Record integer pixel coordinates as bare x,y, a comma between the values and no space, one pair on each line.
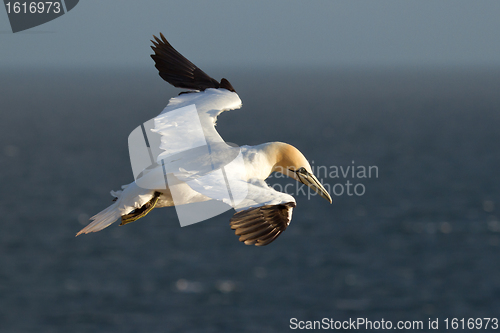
102,220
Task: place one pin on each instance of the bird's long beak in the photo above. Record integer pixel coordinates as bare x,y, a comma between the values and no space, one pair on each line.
311,181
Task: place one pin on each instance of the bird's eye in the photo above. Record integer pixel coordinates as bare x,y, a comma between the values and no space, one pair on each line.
301,170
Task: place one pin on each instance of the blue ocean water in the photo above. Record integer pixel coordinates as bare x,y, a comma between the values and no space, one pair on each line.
421,242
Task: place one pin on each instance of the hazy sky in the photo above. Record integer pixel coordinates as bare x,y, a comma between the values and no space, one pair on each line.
247,33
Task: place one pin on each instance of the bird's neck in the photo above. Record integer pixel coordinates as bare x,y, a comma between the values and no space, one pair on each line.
279,155
262,160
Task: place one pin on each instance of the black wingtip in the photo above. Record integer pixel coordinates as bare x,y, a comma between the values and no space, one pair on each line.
226,85
174,68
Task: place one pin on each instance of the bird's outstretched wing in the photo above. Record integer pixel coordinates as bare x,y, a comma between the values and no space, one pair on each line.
262,215
174,68
192,124
260,226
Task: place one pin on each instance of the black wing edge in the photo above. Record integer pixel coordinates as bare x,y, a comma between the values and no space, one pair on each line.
174,68
261,225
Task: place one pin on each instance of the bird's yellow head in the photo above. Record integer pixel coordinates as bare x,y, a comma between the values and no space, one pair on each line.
292,163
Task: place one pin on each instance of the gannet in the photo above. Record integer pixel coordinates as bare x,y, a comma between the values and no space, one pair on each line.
264,213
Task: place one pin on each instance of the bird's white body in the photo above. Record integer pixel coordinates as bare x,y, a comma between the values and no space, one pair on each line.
258,163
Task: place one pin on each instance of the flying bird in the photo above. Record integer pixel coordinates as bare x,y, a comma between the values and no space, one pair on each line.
262,213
